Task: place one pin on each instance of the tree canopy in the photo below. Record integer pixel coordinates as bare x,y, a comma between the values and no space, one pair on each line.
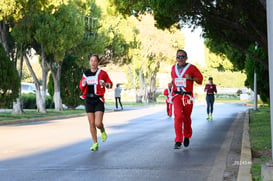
230,28
236,23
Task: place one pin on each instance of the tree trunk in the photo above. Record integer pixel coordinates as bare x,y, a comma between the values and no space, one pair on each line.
39,100
56,74
44,75
17,106
132,77
3,36
152,92
143,86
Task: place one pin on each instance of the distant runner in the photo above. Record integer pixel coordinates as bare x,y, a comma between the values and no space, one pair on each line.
210,89
118,96
168,93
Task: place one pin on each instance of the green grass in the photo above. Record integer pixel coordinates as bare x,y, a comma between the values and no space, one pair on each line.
260,140
30,113
256,172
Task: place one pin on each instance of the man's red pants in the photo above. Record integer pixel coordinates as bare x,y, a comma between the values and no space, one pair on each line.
182,117
169,108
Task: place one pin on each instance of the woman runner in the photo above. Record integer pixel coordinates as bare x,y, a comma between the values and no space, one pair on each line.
93,85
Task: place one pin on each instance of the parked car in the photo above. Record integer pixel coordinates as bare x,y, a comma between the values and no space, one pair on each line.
27,88
30,88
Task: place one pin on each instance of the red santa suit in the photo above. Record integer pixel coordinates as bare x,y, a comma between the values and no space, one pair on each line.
168,93
95,81
183,104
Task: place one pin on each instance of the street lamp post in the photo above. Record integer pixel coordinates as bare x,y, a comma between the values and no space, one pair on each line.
255,91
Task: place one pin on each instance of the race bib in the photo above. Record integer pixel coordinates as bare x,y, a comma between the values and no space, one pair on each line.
91,80
180,82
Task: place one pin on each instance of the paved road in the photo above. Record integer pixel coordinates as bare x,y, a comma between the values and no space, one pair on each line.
139,148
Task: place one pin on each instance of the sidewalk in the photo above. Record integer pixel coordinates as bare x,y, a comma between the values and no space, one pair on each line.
107,109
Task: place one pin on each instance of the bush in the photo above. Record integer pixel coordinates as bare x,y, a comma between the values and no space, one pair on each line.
9,80
49,103
29,101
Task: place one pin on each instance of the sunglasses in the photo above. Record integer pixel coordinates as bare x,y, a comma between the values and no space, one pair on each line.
181,56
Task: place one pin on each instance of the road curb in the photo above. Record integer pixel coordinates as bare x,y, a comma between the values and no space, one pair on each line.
246,158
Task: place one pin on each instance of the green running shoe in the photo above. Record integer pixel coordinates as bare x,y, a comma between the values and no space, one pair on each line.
94,147
210,117
103,136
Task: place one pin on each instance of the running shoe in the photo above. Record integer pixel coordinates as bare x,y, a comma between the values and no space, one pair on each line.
103,136
177,145
210,117
94,147
186,142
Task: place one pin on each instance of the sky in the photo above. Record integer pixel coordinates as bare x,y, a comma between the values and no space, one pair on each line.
194,46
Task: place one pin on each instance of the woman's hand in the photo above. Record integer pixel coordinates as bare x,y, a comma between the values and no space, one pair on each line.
84,82
102,83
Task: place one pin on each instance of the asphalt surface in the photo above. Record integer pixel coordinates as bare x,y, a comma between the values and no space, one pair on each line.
139,147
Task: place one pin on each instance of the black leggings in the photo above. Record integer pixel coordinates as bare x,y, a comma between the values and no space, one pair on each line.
210,102
118,99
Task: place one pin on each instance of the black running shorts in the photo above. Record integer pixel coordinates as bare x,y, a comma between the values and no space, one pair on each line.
93,105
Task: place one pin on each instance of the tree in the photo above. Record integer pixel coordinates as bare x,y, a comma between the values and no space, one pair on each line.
70,77
140,46
156,46
9,14
252,67
67,21
24,32
10,82
121,40
222,70
118,34
58,33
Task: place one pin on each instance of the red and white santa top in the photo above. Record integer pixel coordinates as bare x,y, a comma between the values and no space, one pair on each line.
168,93
93,80
180,82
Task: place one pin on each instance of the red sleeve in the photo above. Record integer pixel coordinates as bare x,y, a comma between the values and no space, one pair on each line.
107,80
81,87
166,92
215,89
198,75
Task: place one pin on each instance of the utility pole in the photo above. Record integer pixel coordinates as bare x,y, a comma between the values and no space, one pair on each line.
267,168
269,6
